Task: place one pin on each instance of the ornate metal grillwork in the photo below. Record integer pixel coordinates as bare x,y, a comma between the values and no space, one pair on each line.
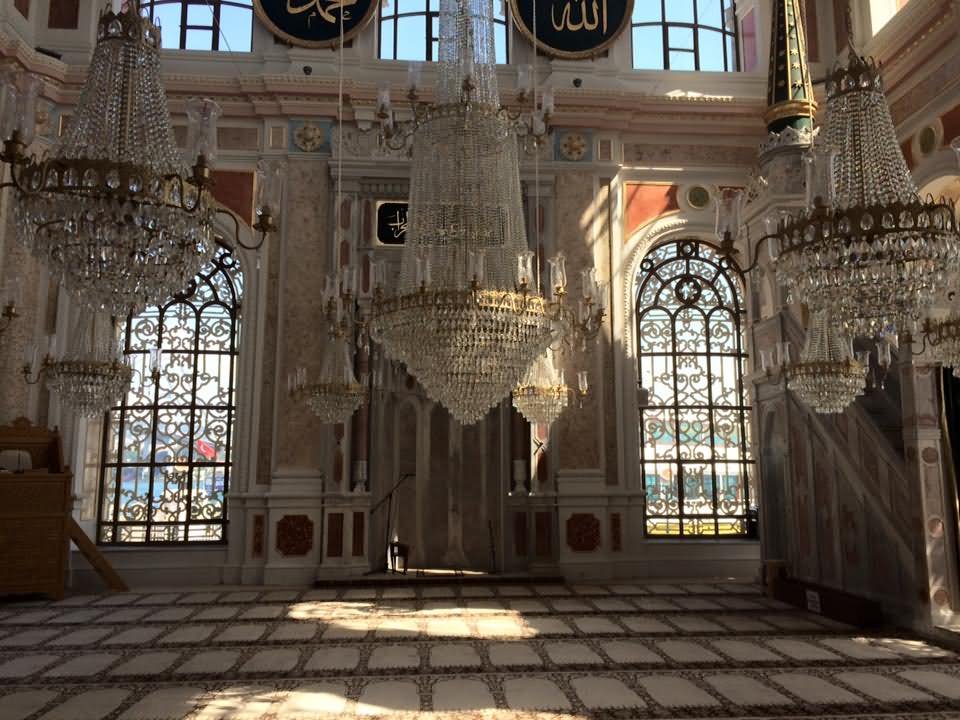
694,427
167,448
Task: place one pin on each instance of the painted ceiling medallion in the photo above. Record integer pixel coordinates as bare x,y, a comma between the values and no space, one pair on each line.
315,23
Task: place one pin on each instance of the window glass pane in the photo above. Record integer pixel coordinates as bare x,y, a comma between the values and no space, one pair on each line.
411,6
710,13
434,50
200,14
199,40
733,62
168,18
500,43
711,50
679,10
647,11
411,38
386,40
680,38
166,468
680,60
648,47
694,451
499,9
236,29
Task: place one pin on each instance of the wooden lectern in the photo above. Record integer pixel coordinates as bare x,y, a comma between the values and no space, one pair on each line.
35,507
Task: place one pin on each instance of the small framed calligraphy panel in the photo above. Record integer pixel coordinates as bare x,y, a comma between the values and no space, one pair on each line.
391,222
573,29
315,23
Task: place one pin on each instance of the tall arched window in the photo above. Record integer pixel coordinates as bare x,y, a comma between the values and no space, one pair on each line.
167,448
694,428
410,30
685,35
203,24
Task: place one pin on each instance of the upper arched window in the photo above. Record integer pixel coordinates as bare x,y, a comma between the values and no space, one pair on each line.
685,35
203,24
167,447
410,30
694,427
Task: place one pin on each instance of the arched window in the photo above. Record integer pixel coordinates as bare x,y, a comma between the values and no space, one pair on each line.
167,449
694,427
410,30
203,24
685,35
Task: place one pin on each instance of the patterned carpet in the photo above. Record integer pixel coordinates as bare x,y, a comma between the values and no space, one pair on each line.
442,652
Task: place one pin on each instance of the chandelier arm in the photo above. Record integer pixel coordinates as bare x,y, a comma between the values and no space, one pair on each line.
236,230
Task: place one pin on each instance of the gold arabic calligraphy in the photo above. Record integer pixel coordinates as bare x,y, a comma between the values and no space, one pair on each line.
324,12
566,22
399,225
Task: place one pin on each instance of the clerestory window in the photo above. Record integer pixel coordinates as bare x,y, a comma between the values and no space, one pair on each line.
685,35
225,25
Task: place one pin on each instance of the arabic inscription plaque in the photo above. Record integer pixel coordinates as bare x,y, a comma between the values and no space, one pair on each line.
391,222
573,29
314,23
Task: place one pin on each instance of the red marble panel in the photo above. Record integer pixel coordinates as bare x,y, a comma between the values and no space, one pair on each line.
23,6
812,26
64,15
646,202
616,533
259,527
335,535
543,531
583,532
234,190
294,535
358,534
520,533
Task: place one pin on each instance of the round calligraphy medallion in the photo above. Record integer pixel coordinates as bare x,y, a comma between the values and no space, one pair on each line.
315,23
573,29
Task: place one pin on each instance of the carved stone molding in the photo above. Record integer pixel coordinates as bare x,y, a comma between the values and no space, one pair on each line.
294,535
583,532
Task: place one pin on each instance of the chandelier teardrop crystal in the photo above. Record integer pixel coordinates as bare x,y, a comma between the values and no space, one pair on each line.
92,375
829,376
113,209
543,394
869,250
467,320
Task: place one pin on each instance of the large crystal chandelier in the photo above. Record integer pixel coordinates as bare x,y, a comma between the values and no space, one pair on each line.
112,208
829,376
468,319
92,374
869,250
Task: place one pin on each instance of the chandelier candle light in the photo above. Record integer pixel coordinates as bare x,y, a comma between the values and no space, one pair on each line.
468,319
113,209
92,375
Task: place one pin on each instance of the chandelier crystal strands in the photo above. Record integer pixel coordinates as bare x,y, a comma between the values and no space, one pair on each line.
868,250
113,209
467,319
336,394
829,375
92,375
542,394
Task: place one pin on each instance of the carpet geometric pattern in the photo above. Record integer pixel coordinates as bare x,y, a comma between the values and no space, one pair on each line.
612,650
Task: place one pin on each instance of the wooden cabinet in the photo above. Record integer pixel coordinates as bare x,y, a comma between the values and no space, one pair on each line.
35,513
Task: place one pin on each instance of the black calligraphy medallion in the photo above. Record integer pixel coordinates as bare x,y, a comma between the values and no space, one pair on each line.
573,29
391,222
315,23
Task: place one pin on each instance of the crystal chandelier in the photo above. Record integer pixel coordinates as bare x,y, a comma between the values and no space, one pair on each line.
112,208
336,394
829,376
92,375
542,393
468,319
869,250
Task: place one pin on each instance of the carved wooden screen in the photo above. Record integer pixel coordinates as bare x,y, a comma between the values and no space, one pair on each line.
167,448
694,427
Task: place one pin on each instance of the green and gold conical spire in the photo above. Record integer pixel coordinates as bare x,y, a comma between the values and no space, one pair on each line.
789,90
